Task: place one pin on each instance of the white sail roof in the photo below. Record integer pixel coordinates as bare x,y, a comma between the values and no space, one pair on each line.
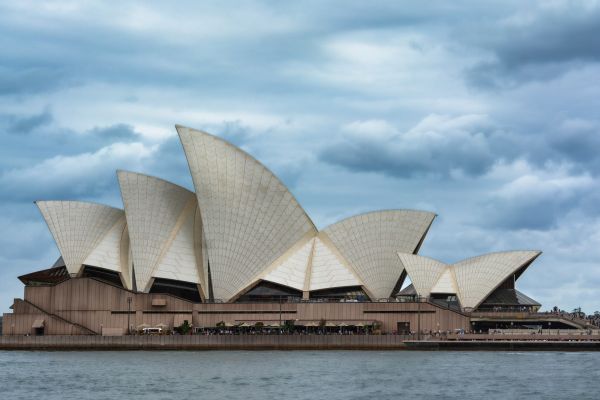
473,279
446,283
477,277
370,243
179,261
329,270
291,270
107,254
424,272
249,217
155,210
78,227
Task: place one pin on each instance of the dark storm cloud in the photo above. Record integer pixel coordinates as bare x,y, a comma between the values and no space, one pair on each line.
438,146
553,43
33,137
44,161
578,141
25,124
15,80
400,162
541,201
536,214
169,162
235,132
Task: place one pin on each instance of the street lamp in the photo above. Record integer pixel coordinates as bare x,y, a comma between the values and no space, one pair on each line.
128,315
419,318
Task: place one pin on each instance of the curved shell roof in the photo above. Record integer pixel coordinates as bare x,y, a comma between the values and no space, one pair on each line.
446,283
473,279
78,227
156,210
370,243
424,272
107,254
249,217
477,277
292,270
329,270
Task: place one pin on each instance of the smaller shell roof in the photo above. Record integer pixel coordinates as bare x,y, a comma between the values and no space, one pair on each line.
370,242
424,272
473,279
477,277
154,209
78,227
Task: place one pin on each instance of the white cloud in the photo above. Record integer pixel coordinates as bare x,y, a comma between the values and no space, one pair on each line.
79,175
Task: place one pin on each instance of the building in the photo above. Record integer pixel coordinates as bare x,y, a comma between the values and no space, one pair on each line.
241,249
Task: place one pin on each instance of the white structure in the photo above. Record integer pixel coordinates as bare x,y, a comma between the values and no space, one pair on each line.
242,228
249,217
471,280
370,242
78,228
160,219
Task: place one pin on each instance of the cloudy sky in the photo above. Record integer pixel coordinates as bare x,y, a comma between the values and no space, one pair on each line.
483,112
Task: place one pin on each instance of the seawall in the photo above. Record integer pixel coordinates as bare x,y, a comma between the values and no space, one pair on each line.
284,342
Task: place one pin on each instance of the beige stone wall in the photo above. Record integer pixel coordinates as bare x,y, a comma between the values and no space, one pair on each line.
96,306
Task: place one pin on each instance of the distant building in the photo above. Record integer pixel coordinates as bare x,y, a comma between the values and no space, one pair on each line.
242,238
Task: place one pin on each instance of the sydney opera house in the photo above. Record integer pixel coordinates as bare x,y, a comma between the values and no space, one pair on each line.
240,249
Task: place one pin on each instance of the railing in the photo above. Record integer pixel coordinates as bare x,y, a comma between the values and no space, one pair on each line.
502,314
297,300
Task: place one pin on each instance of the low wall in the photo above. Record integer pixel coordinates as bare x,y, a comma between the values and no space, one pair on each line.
201,342
566,336
284,342
516,345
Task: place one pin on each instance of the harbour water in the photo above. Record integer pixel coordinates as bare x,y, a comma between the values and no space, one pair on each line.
299,375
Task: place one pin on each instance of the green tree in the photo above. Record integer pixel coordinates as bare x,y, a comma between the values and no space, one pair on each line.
184,328
288,326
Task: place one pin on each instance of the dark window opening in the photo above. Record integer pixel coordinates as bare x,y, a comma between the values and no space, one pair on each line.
270,292
407,295
211,296
403,328
102,274
399,283
508,300
133,282
185,290
349,293
447,300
